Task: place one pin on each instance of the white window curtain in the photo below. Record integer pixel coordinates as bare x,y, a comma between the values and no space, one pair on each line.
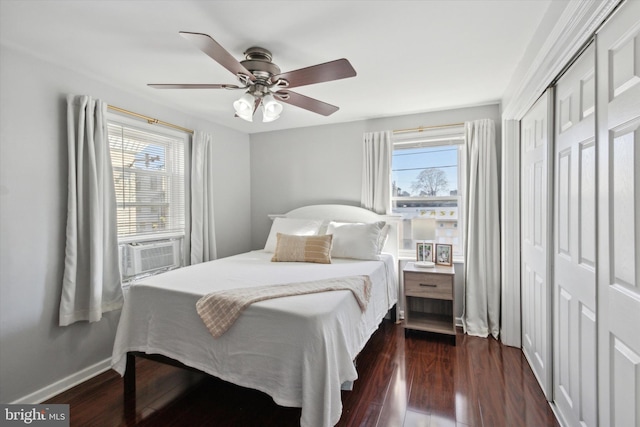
91,284
376,172
481,315
203,236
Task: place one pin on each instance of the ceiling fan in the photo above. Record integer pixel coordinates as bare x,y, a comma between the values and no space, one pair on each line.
263,82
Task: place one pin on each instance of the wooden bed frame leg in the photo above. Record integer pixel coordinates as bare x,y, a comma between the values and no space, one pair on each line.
393,314
130,386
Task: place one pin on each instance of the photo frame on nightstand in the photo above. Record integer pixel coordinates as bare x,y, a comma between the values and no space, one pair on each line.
444,254
426,249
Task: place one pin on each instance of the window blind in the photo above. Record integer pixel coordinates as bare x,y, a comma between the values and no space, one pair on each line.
148,173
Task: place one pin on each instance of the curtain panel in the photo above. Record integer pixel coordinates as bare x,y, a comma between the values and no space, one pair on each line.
481,313
91,283
376,172
203,236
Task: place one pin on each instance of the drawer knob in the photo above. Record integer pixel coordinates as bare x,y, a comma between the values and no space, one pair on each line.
428,285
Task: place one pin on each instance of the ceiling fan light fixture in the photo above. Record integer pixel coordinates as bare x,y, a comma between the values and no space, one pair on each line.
266,118
244,107
262,80
271,108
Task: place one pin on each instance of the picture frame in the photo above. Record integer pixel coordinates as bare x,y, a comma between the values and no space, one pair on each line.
444,254
427,249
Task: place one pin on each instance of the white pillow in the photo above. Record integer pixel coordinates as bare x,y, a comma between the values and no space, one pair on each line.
294,226
356,240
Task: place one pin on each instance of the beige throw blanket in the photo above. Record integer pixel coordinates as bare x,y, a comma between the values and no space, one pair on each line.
218,310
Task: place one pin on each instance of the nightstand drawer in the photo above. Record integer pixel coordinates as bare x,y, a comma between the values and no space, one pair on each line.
428,285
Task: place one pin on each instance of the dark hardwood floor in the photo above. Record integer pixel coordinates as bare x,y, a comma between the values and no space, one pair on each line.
418,381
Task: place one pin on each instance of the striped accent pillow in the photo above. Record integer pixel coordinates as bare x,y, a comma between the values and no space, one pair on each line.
290,248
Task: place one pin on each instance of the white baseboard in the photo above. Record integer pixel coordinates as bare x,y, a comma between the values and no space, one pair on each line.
558,415
459,322
65,383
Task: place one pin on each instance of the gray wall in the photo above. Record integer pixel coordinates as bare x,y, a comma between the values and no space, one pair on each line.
323,164
34,351
264,173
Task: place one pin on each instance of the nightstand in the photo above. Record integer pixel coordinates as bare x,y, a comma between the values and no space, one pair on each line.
428,299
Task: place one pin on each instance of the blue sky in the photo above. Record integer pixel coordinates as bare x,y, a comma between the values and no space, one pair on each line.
408,163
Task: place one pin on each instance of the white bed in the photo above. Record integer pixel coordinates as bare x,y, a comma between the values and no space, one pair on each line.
298,349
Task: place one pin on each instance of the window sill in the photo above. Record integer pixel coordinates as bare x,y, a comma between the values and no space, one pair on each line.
149,237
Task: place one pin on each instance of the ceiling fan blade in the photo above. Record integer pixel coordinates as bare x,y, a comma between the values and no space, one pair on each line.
311,104
219,54
334,70
192,86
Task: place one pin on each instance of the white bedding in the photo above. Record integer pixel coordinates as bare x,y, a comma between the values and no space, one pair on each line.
297,349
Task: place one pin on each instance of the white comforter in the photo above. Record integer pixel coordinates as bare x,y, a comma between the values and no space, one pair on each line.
297,349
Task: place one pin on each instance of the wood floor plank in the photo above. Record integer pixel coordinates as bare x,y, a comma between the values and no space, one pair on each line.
417,419
395,405
466,385
432,383
414,381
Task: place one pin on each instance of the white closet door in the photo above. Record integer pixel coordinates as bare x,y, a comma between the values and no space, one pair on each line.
618,112
536,243
574,278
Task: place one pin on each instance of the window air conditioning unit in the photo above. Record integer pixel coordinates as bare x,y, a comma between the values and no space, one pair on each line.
147,257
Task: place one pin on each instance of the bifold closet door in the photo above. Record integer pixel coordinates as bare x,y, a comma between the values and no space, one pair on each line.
535,218
618,112
574,254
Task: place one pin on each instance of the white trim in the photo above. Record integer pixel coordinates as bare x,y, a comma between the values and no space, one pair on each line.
64,384
510,330
558,414
577,24
429,137
149,237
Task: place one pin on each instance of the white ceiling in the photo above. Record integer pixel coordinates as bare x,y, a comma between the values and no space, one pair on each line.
410,56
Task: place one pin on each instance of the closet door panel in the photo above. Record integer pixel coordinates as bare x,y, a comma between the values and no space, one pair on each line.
618,254
587,204
588,367
574,277
535,238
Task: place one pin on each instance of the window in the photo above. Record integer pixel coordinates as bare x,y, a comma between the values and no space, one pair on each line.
428,181
148,173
